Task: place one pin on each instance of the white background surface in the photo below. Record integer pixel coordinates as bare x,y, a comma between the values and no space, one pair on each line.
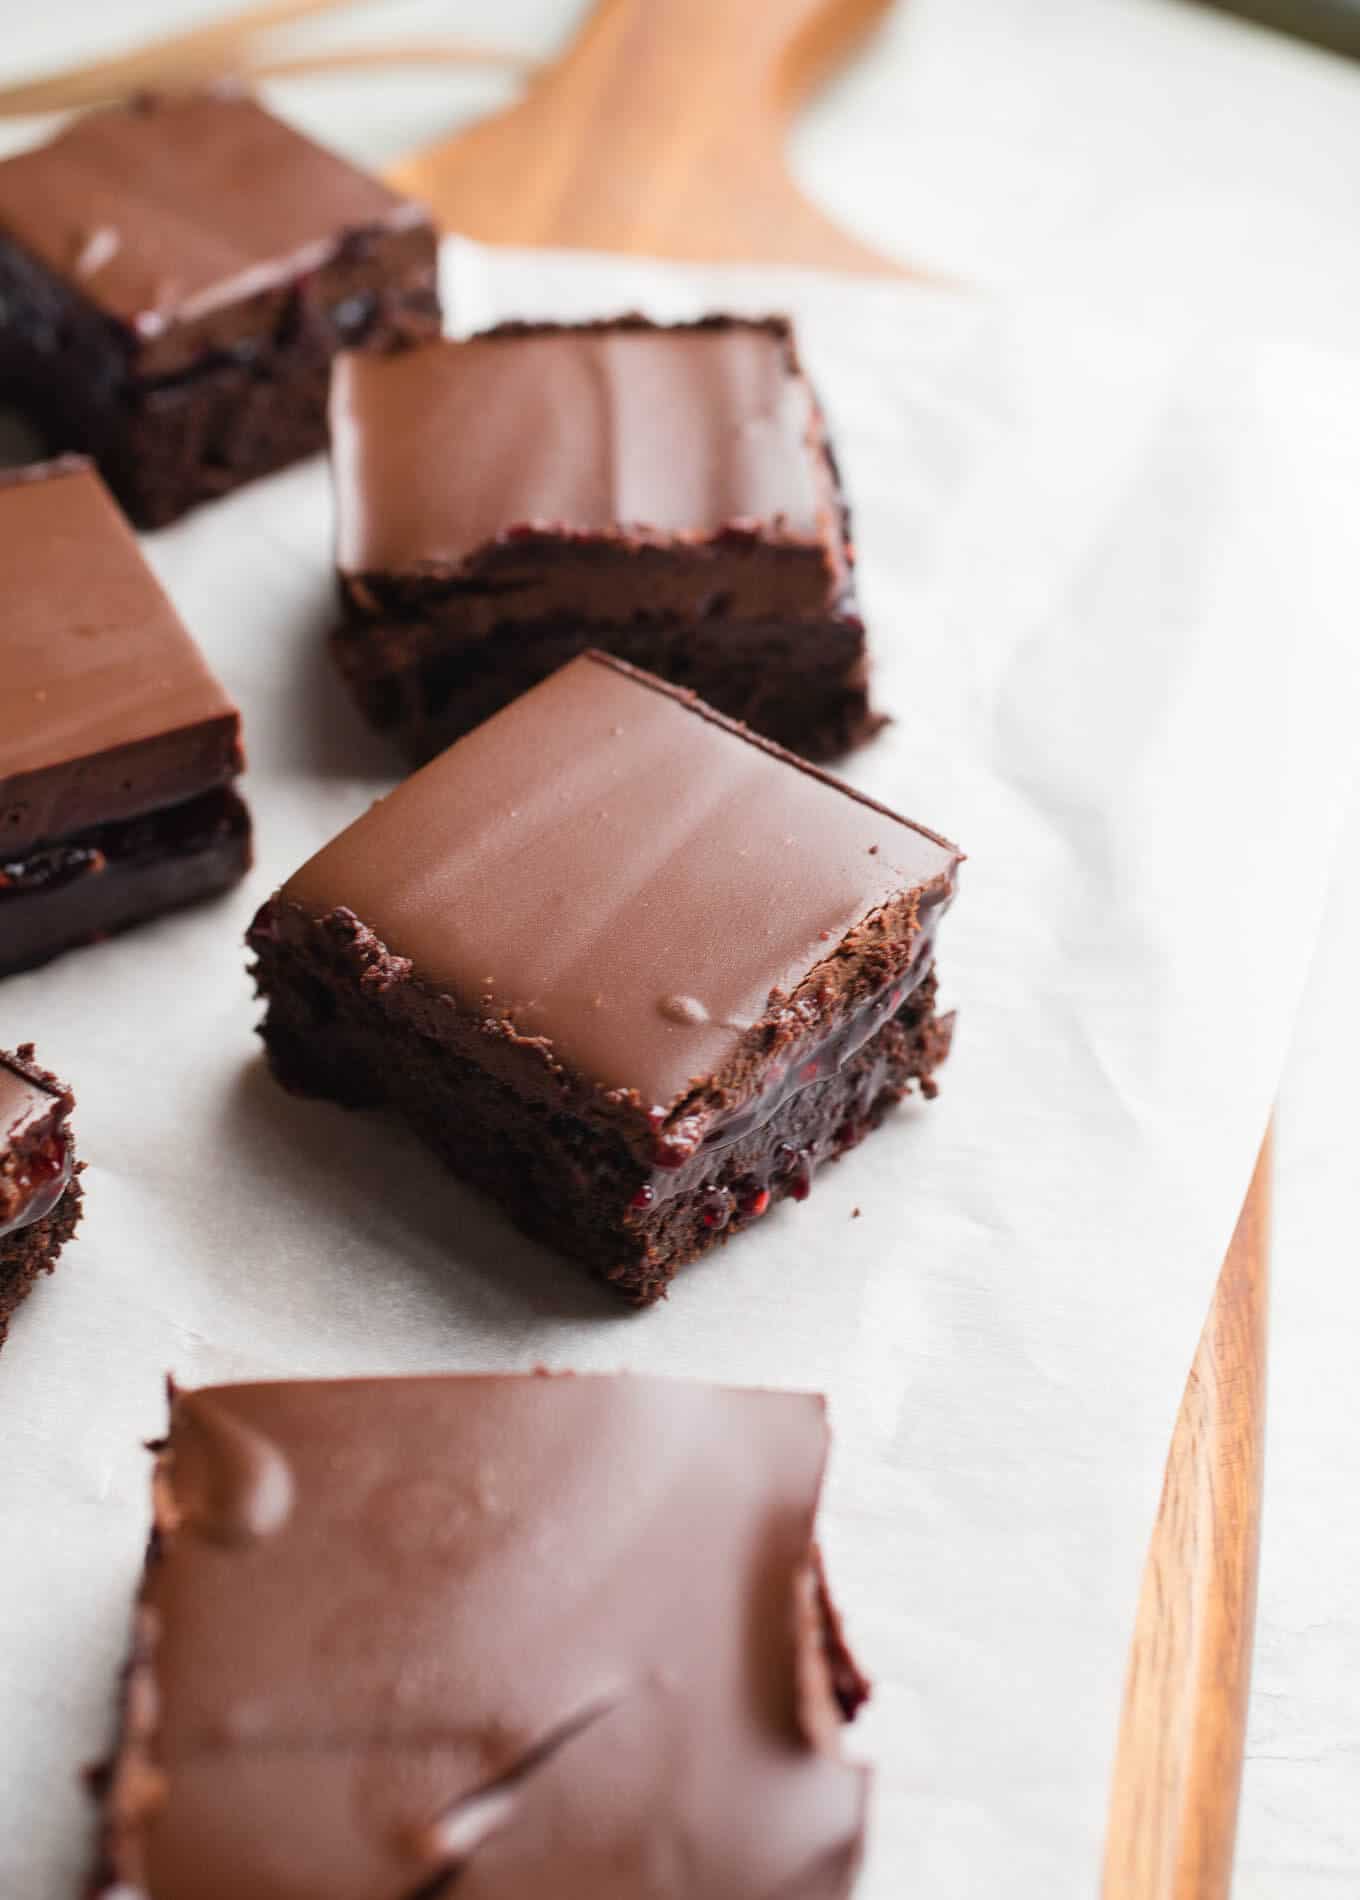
1147,154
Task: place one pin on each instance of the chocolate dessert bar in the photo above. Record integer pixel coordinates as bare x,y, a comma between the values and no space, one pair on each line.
39,1190
629,969
175,277
667,494
118,748
508,1636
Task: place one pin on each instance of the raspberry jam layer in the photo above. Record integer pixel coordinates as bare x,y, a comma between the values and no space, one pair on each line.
79,889
697,1139
182,830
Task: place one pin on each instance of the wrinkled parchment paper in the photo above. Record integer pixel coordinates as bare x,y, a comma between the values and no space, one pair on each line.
1110,577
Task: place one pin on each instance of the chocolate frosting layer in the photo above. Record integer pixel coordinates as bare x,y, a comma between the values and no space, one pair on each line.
170,208
513,1635
107,708
622,882
665,433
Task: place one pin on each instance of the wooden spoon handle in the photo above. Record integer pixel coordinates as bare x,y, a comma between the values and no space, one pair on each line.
1178,1769
660,129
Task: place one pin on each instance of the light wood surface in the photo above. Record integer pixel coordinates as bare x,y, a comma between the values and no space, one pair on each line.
1178,1768
661,130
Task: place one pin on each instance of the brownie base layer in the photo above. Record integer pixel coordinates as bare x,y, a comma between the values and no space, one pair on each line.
33,1250
802,683
164,444
577,1187
115,876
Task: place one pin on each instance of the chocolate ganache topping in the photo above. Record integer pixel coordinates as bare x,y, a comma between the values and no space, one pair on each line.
607,846
662,434
107,708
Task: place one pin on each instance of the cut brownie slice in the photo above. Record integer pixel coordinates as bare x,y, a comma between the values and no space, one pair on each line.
665,493
175,277
525,1635
118,748
631,970
39,1192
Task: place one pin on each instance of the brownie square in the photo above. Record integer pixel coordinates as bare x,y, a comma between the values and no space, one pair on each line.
118,747
175,277
667,494
39,1193
508,1636
630,969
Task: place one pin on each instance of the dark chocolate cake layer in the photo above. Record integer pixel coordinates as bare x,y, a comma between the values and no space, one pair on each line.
513,1636
574,1186
111,877
177,275
803,686
666,493
629,968
32,1251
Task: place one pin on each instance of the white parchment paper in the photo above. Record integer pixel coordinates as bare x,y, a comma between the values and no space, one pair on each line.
1110,577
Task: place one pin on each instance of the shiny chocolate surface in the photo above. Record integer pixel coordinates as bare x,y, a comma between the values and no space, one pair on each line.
107,708
626,885
166,209
660,434
500,1635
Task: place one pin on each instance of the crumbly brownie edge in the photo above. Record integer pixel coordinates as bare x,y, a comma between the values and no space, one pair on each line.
801,683
576,1185
34,1250
164,445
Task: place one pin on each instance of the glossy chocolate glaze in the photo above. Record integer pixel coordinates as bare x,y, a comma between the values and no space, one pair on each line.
518,1635
606,846
37,1156
107,708
165,210
625,429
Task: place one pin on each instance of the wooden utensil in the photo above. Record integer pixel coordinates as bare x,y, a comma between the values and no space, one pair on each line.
660,130
1178,1768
